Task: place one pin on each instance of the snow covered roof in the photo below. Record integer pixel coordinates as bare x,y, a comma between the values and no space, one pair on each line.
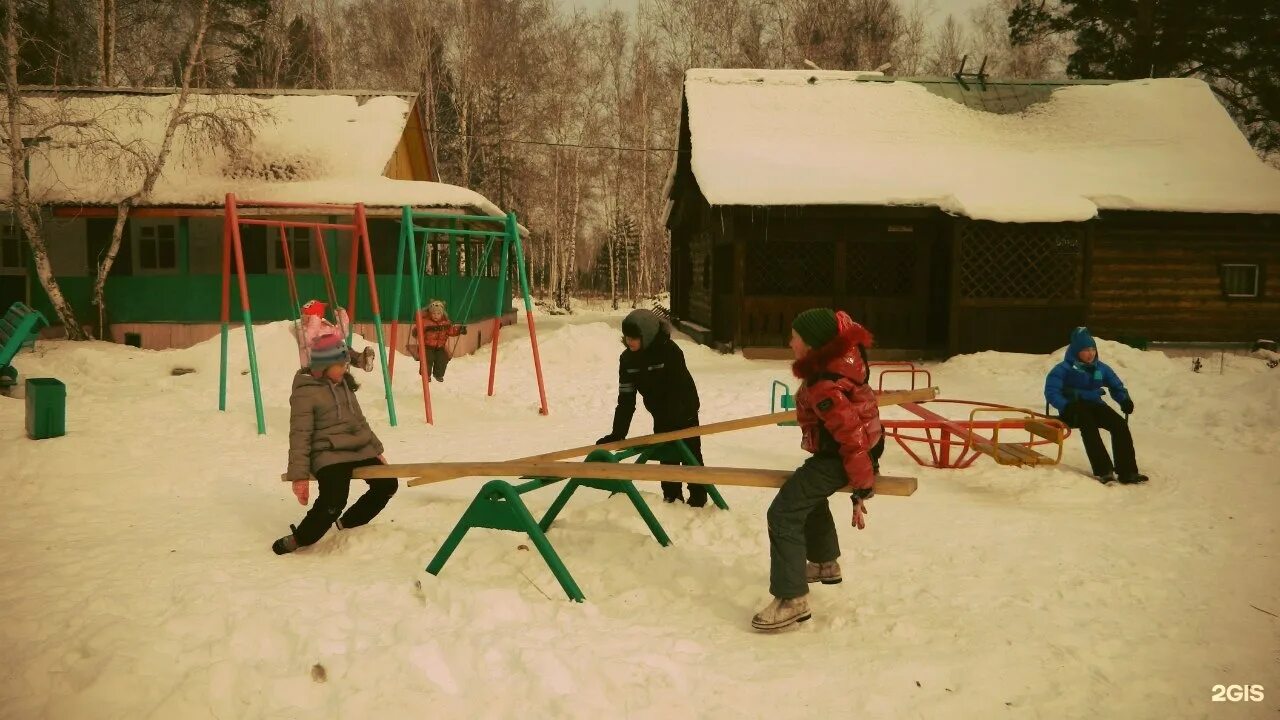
306,146
1046,153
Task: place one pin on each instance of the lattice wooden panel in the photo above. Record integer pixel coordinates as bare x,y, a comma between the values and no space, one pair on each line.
880,269
790,268
1020,261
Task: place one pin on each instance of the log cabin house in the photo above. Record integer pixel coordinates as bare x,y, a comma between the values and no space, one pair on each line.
959,215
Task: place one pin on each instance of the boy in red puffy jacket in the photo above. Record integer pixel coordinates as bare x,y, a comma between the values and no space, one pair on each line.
437,330
840,419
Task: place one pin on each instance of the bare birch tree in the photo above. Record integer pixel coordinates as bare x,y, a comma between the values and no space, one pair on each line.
24,207
949,46
1043,58
228,127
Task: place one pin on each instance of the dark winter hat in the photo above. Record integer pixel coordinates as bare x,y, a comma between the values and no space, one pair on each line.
328,350
816,326
643,324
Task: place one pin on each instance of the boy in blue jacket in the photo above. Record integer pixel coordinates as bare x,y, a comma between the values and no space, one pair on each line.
1076,387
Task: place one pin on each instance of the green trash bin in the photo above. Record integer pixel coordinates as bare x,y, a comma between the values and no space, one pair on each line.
46,408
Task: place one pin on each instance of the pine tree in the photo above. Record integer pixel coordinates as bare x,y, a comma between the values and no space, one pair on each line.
1234,45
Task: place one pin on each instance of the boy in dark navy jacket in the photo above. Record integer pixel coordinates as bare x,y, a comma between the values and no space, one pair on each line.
653,366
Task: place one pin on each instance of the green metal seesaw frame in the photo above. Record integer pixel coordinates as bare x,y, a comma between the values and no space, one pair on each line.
498,506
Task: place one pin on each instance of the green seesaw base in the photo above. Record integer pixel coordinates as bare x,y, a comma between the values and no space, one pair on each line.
498,507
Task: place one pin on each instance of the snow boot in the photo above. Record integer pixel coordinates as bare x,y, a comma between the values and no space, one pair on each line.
697,496
285,545
1132,478
782,613
827,573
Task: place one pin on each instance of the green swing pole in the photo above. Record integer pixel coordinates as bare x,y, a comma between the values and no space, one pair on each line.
361,237
452,276
424,259
406,224
233,218
418,323
513,230
453,260
497,310
473,289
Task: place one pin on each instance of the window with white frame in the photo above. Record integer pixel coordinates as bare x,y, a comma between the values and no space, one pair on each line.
10,249
157,247
1240,280
300,249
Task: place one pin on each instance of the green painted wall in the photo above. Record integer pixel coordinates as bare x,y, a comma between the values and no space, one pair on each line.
198,298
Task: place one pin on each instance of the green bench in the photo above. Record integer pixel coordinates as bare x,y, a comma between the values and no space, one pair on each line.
17,331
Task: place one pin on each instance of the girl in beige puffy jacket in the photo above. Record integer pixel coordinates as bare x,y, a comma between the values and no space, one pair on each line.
329,438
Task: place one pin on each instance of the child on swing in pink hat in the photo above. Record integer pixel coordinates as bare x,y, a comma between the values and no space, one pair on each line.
315,325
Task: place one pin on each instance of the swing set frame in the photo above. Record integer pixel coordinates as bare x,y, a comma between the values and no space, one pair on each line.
408,255
232,248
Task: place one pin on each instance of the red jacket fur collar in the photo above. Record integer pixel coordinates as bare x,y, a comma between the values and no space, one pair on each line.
835,356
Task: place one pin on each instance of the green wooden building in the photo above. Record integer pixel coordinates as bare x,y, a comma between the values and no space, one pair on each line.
306,146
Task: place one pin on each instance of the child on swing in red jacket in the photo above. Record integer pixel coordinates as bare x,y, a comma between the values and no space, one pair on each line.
437,330
840,420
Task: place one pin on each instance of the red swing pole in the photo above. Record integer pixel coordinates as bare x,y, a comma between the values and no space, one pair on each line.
288,271
352,274
232,217
323,254
360,234
293,293
226,306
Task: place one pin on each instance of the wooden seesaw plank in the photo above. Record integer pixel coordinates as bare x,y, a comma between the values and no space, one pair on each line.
896,397
748,477
436,474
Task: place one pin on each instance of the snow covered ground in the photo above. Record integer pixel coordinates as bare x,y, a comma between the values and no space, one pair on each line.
139,582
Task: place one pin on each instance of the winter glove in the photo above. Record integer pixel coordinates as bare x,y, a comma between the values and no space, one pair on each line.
301,488
608,439
860,513
1126,405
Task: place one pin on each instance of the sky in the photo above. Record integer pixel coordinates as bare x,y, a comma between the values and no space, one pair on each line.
959,8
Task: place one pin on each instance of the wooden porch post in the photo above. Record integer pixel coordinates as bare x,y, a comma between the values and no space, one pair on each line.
184,245
739,274
953,339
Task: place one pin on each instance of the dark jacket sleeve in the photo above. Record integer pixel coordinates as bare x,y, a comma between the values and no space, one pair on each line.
626,408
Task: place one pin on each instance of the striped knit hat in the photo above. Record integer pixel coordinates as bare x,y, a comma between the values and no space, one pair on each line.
328,350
